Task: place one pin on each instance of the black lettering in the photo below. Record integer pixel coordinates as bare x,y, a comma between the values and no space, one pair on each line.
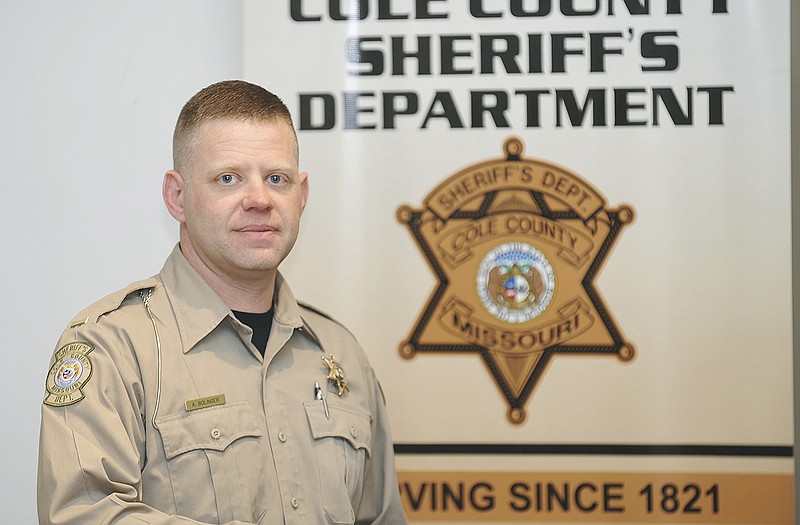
448,110
595,97
517,9
532,119
448,495
296,12
352,110
579,500
360,11
553,495
476,10
422,55
480,502
670,101
692,506
449,54
535,53
715,109
335,10
310,105
357,54
391,109
622,106
497,110
385,11
416,502
507,54
424,12
521,501
612,494
666,53
598,50
718,7
635,7
568,8
559,51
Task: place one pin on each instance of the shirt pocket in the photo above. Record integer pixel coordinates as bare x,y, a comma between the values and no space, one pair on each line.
343,446
214,460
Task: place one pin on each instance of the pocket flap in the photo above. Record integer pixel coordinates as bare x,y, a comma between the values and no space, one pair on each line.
209,428
346,422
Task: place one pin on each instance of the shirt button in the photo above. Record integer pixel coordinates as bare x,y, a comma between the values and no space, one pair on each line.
215,433
295,503
282,437
354,432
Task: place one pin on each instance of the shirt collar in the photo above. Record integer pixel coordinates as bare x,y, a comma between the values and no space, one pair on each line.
287,311
199,310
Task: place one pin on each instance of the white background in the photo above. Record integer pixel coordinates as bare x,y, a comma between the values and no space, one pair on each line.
700,283
89,93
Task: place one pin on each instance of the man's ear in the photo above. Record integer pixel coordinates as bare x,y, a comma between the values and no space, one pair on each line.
173,191
303,190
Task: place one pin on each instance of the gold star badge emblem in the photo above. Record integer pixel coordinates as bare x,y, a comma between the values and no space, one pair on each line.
336,374
516,244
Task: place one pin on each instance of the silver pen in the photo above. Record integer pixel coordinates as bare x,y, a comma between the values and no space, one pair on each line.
320,397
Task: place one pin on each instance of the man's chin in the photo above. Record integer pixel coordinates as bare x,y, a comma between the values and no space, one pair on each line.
260,264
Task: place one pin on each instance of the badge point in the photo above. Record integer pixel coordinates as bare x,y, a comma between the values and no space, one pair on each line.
516,415
407,351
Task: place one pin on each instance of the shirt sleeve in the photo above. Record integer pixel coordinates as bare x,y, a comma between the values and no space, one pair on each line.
380,503
92,437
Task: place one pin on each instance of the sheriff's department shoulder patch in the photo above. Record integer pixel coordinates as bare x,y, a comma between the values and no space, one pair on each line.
71,370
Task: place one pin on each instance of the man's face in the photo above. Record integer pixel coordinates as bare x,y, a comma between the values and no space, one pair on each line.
243,199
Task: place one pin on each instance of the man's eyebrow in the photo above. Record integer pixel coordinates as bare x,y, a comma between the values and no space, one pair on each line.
243,168
281,167
219,168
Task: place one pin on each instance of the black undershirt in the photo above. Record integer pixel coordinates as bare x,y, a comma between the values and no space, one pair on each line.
260,324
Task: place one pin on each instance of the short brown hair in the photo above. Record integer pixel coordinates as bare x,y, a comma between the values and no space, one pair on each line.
226,100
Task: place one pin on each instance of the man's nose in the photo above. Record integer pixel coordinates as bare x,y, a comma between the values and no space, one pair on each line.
257,195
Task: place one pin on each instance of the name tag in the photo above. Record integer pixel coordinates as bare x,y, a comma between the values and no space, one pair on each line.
205,402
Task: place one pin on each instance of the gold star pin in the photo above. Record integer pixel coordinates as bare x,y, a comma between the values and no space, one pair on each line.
336,374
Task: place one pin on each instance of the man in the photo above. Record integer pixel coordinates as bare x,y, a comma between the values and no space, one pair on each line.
207,394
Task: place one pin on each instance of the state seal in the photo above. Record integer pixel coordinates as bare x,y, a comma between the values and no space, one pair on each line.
515,282
71,370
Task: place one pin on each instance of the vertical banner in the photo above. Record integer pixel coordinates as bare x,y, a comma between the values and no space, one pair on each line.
561,230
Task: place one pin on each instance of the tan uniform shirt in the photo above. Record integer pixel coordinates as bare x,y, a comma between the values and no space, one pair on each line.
170,415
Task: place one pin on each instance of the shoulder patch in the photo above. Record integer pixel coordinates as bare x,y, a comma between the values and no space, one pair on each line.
71,370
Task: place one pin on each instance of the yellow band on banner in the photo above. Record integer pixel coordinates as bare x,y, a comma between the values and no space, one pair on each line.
598,497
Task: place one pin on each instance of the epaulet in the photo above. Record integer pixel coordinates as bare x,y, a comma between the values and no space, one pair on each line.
319,312
110,302
325,315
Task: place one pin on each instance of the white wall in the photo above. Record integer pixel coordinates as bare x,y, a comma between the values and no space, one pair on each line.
89,93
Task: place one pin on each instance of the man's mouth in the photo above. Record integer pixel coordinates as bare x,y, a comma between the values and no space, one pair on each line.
256,228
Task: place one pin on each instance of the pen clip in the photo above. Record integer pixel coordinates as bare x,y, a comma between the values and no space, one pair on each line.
319,396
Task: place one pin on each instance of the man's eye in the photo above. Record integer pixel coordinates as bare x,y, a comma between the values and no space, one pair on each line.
226,178
276,178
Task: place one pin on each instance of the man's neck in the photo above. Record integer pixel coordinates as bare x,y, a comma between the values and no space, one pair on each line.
255,297
250,292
